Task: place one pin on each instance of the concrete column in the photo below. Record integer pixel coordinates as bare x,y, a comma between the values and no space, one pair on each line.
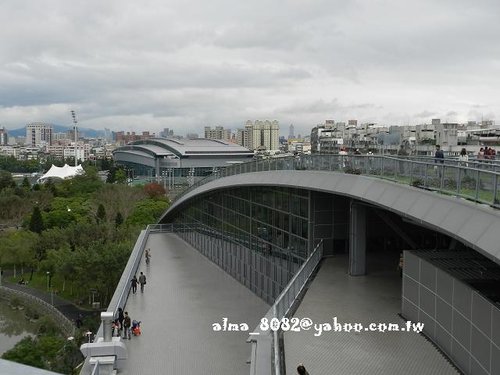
157,169
107,319
357,240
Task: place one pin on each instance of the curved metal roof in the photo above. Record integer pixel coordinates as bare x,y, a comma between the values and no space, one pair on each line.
187,147
476,225
151,149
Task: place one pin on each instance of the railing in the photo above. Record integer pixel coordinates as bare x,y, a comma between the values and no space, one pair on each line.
476,181
270,341
95,370
59,318
122,290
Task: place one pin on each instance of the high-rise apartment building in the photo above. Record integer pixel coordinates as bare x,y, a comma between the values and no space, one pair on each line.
4,136
261,134
166,133
217,133
38,134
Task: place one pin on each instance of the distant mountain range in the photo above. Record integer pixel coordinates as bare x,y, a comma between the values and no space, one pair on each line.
85,132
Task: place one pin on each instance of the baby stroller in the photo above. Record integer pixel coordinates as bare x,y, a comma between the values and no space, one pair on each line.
136,327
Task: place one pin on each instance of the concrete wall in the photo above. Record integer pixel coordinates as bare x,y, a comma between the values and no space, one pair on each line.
464,324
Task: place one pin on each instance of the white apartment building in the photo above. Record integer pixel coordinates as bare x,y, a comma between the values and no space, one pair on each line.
262,134
82,151
217,133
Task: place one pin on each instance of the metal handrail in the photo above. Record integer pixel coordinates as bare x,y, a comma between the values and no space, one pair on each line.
283,307
399,169
66,324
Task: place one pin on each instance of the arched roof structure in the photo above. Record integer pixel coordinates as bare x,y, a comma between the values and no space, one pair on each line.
473,224
147,151
183,148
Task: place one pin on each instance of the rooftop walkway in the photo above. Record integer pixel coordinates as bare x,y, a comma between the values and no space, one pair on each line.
376,298
184,295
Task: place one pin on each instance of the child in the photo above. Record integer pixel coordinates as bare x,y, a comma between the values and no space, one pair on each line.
136,328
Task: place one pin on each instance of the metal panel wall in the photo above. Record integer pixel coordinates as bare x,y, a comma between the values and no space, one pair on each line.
464,324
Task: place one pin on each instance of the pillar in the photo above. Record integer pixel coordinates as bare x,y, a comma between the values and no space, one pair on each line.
107,320
357,240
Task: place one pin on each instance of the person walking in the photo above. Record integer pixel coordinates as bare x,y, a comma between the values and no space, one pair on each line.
127,323
147,255
133,282
439,158
121,317
463,158
301,370
142,281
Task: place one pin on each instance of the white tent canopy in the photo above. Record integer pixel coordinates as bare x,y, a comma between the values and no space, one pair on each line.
62,172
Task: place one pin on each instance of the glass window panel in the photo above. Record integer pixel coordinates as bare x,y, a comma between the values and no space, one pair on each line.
304,207
305,227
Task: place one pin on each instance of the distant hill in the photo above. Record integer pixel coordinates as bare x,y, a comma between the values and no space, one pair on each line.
88,133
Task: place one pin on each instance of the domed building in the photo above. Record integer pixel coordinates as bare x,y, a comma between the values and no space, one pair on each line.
179,159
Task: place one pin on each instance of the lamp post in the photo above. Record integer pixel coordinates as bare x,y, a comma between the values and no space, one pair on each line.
73,114
48,280
164,174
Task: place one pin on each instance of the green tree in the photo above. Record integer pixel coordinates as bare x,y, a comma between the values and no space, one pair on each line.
118,219
36,222
26,184
120,176
6,180
147,211
101,213
36,352
17,248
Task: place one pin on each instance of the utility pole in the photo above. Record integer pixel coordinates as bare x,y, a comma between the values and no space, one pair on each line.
73,114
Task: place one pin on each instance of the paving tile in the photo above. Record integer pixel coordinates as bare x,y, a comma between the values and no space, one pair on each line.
184,295
358,299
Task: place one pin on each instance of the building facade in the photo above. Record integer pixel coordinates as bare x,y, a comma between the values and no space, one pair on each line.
260,135
38,134
217,132
4,137
449,281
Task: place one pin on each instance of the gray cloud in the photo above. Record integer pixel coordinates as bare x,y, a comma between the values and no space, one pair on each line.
425,114
187,64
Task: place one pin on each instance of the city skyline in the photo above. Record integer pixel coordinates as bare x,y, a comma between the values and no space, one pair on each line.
186,65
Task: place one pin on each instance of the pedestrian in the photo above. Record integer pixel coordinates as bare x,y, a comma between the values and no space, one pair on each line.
115,328
121,317
133,282
79,321
142,281
402,153
438,157
463,158
480,154
127,323
147,255
301,370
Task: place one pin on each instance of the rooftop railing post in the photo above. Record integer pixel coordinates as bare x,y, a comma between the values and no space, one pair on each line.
411,171
477,184
495,189
441,176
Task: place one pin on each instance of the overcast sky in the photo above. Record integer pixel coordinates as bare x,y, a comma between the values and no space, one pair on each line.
185,64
